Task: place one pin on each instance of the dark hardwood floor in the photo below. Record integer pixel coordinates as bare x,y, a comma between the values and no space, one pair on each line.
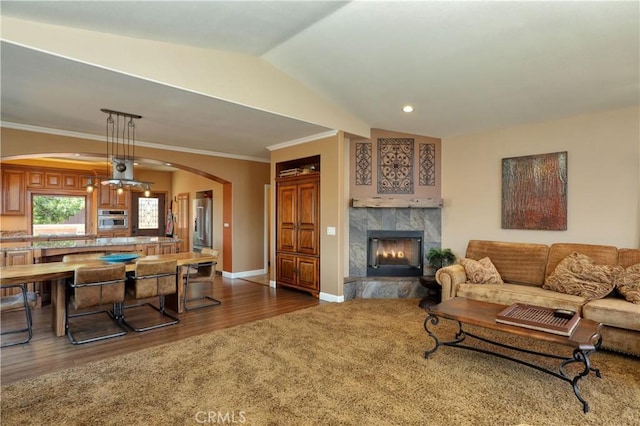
243,301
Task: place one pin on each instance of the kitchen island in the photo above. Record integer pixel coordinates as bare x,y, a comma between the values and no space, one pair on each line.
43,249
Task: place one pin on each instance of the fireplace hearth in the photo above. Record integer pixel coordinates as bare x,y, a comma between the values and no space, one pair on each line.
392,253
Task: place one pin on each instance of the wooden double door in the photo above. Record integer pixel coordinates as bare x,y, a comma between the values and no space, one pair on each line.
297,232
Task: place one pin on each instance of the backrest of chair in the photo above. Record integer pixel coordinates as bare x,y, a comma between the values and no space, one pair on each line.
210,251
155,277
97,285
206,271
81,257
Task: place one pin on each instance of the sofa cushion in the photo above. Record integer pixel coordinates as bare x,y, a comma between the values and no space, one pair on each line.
481,271
628,283
628,257
601,255
613,311
508,294
577,274
516,262
620,340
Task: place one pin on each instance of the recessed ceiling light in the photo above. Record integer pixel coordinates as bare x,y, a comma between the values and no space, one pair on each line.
407,108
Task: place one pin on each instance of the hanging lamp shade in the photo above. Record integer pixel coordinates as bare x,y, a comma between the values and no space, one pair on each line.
121,149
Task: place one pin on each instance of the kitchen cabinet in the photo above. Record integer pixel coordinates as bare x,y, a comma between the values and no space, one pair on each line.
148,249
16,180
109,198
168,248
13,192
55,180
17,257
70,181
113,234
153,249
297,232
302,272
35,179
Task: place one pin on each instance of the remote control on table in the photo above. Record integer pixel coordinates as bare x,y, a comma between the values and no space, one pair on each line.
563,313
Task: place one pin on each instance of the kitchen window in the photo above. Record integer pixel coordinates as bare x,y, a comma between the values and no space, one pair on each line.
58,215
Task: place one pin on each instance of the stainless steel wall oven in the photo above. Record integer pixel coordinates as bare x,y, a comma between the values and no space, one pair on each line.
113,219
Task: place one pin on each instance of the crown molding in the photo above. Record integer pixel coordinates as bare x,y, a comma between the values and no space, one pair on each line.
302,140
68,133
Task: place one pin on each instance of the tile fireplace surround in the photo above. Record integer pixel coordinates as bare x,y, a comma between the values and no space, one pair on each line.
361,220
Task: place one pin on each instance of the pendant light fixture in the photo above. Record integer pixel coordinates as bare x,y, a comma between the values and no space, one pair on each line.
121,149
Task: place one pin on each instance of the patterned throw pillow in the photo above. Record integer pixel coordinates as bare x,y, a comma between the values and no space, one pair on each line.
628,283
481,271
577,274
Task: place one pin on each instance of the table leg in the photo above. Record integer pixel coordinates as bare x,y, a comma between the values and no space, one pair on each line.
175,301
58,288
434,320
580,356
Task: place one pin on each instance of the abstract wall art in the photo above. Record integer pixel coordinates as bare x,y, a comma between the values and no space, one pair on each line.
534,192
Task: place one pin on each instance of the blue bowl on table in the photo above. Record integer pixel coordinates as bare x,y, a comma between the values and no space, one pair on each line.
120,257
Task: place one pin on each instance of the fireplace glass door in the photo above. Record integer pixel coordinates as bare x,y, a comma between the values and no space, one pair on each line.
394,253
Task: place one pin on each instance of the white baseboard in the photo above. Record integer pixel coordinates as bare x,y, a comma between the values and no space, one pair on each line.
272,284
331,297
243,274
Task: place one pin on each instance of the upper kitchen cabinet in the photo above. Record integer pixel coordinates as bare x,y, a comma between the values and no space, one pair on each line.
55,180
13,192
109,198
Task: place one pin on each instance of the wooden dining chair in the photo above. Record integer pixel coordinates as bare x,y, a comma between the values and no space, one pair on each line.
24,300
95,286
200,273
152,278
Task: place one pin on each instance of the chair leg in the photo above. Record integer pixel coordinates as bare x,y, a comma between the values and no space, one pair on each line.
212,301
29,323
75,341
161,309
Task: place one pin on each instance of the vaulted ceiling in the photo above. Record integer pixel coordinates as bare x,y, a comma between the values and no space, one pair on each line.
465,67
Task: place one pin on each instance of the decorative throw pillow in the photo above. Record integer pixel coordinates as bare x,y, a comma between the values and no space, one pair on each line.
577,274
481,271
628,283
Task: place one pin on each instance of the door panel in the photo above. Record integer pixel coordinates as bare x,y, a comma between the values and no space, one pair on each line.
182,221
286,269
308,272
287,212
159,219
307,218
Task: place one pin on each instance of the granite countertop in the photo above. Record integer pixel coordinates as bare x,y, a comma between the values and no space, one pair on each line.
83,243
8,236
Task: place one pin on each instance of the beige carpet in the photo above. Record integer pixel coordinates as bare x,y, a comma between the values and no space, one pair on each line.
356,363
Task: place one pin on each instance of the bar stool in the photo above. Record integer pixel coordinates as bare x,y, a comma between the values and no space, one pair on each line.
94,286
24,300
152,278
198,273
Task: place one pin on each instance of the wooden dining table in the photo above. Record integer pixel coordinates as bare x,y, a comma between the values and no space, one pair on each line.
58,272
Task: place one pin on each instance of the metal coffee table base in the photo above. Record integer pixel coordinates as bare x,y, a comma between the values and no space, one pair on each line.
580,355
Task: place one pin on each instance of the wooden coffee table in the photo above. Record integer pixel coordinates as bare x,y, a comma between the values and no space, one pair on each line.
584,340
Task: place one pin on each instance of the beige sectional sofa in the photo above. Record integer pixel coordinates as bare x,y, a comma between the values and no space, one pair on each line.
524,267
